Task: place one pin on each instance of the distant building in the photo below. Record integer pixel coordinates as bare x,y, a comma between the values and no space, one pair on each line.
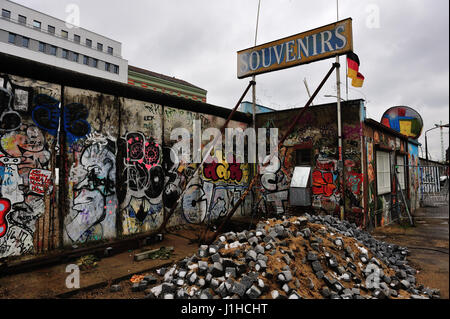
247,107
165,84
33,35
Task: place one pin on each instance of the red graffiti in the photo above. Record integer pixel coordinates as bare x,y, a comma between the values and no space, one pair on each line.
322,183
39,180
325,166
222,171
5,206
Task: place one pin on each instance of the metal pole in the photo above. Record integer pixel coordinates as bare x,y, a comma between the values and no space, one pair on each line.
442,142
426,147
255,166
307,89
339,125
254,77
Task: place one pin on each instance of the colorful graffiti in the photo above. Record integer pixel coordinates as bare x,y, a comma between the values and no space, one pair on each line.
5,207
220,169
325,185
403,119
413,162
23,152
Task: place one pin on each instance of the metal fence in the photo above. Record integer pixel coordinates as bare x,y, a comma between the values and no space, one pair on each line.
433,185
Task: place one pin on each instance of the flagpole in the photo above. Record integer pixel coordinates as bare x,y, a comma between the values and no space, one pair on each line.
339,125
255,165
346,79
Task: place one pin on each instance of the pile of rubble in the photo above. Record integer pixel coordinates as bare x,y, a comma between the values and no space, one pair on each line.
295,258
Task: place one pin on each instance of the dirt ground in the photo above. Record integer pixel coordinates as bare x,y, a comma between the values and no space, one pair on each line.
428,244
49,282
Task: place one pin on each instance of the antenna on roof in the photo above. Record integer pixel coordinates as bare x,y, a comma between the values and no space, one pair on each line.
307,89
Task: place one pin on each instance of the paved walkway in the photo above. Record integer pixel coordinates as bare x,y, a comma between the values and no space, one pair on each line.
428,243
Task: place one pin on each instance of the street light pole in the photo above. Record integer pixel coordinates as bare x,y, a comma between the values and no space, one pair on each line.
426,140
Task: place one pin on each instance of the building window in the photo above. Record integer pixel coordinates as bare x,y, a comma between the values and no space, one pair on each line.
37,24
22,19
65,54
383,173
94,63
99,46
25,42
53,50
76,38
42,47
303,157
107,66
85,59
6,14
110,50
64,34
75,57
401,171
51,29
116,69
12,38
89,43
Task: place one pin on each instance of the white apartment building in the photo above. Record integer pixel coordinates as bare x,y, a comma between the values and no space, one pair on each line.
33,35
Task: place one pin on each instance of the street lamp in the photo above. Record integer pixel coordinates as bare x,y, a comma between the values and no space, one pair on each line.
426,141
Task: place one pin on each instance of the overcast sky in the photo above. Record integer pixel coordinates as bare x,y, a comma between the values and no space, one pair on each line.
403,47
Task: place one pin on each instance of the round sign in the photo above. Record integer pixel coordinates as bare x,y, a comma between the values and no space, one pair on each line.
404,120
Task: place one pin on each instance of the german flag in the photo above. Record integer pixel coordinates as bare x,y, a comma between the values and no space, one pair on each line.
353,70
358,80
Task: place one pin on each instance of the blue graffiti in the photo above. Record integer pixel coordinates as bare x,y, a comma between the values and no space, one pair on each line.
46,115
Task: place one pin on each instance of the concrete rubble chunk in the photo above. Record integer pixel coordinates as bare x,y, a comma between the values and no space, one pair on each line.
253,292
115,288
251,255
311,256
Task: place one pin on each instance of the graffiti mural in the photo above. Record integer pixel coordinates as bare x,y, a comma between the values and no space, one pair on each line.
93,211
46,115
143,174
9,119
325,185
413,162
25,178
275,181
403,119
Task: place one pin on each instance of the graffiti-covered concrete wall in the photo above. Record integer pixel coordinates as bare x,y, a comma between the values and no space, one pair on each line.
27,167
382,206
80,165
314,143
